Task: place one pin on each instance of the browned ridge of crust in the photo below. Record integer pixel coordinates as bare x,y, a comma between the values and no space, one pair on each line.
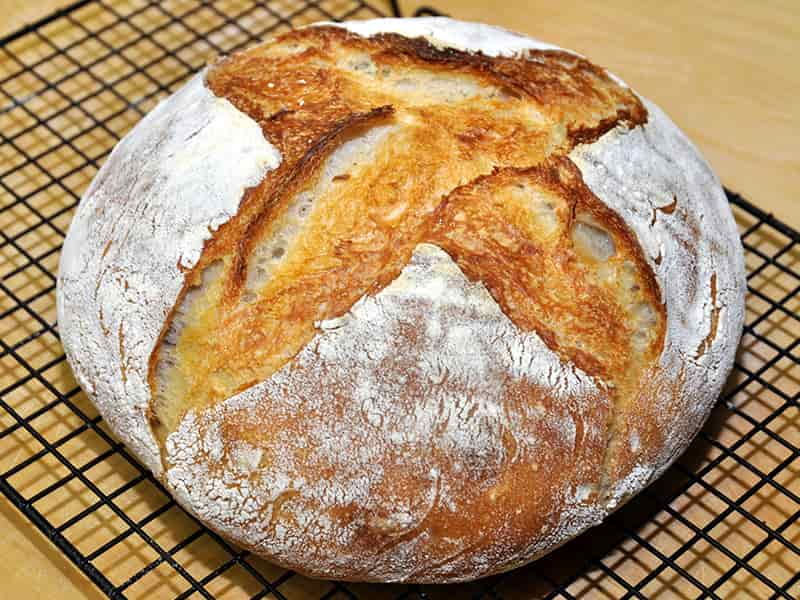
457,169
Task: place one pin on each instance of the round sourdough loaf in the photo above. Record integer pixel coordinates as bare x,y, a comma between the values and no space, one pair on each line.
403,300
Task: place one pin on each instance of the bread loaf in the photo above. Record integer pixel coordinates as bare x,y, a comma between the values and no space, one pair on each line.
403,300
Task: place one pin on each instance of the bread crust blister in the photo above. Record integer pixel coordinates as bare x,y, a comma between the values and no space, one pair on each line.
445,298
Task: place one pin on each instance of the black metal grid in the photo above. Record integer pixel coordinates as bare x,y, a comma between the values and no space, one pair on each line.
722,523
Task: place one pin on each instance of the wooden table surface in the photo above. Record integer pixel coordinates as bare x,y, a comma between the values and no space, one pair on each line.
726,72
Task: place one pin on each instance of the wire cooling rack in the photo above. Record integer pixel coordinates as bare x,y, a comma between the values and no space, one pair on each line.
722,523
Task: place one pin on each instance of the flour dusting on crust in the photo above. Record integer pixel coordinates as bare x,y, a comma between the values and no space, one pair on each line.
166,187
691,247
478,398
449,33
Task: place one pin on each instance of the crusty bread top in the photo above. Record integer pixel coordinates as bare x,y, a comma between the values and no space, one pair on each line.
312,90
427,276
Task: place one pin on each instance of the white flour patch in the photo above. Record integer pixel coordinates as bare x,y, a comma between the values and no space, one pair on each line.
166,187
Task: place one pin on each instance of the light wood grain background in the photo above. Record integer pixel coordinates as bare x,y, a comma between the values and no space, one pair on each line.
727,73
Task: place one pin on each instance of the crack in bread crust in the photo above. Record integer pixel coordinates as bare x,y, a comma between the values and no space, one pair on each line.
333,83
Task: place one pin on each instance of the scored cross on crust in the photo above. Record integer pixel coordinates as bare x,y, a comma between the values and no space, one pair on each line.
422,145
429,313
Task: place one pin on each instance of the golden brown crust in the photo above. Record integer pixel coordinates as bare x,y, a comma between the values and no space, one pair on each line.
310,100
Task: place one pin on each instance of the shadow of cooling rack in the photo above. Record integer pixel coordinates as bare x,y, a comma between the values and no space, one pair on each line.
722,523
